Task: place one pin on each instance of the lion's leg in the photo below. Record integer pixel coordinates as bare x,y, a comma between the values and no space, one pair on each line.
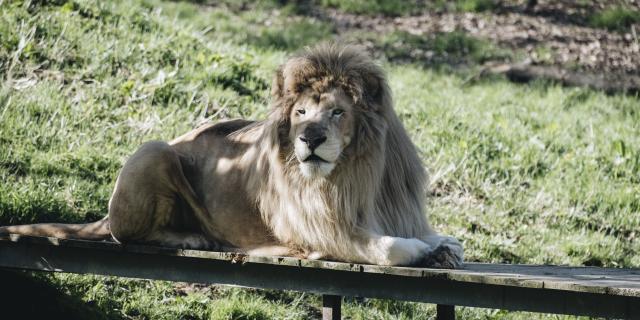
393,251
144,203
143,198
272,251
183,240
438,251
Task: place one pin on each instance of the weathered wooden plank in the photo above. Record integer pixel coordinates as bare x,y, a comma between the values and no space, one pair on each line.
623,282
475,286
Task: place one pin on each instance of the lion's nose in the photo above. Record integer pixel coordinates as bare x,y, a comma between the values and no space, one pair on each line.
313,141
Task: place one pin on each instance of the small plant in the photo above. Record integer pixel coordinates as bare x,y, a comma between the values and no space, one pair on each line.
475,5
296,34
451,47
391,8
615,19
397,8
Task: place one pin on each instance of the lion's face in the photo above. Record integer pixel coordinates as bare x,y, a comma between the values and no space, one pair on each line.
321,128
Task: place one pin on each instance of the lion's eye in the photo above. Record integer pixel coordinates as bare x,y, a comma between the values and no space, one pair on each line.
301,111
337,112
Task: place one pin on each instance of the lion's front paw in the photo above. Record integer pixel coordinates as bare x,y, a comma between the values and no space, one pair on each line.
198,242
447,255
401,251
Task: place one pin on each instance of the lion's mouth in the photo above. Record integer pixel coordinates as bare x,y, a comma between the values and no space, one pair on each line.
314,158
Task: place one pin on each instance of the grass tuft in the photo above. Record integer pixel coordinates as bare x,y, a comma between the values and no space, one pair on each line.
615,18
391,8
476,5
451,48
397,8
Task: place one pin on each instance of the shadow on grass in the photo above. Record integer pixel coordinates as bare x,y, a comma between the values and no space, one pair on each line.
23,296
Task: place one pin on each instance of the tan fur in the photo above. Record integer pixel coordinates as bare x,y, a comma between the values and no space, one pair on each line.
249,186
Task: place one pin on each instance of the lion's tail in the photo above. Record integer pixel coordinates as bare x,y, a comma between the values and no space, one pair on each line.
98,230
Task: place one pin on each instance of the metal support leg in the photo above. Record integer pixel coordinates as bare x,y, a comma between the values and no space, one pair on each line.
445,312
331,307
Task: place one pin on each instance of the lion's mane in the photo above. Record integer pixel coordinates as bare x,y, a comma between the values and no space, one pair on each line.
378,184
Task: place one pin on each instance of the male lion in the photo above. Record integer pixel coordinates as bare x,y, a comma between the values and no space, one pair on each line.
331,173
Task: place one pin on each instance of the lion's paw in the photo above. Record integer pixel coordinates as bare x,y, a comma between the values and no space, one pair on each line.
447,255
315,255
198,242
402,252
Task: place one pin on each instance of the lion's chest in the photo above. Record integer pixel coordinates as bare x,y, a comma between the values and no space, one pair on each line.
303,216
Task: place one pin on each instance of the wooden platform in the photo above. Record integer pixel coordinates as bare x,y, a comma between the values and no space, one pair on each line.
551,289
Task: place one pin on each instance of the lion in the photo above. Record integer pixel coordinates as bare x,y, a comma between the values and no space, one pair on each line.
330,174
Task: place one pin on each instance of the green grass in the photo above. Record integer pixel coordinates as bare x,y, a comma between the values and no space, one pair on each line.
396,8
373,6
522,174
615,18
476,5
441,49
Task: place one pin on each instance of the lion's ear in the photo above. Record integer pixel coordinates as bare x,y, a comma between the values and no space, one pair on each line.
375,88
277,85
371,85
